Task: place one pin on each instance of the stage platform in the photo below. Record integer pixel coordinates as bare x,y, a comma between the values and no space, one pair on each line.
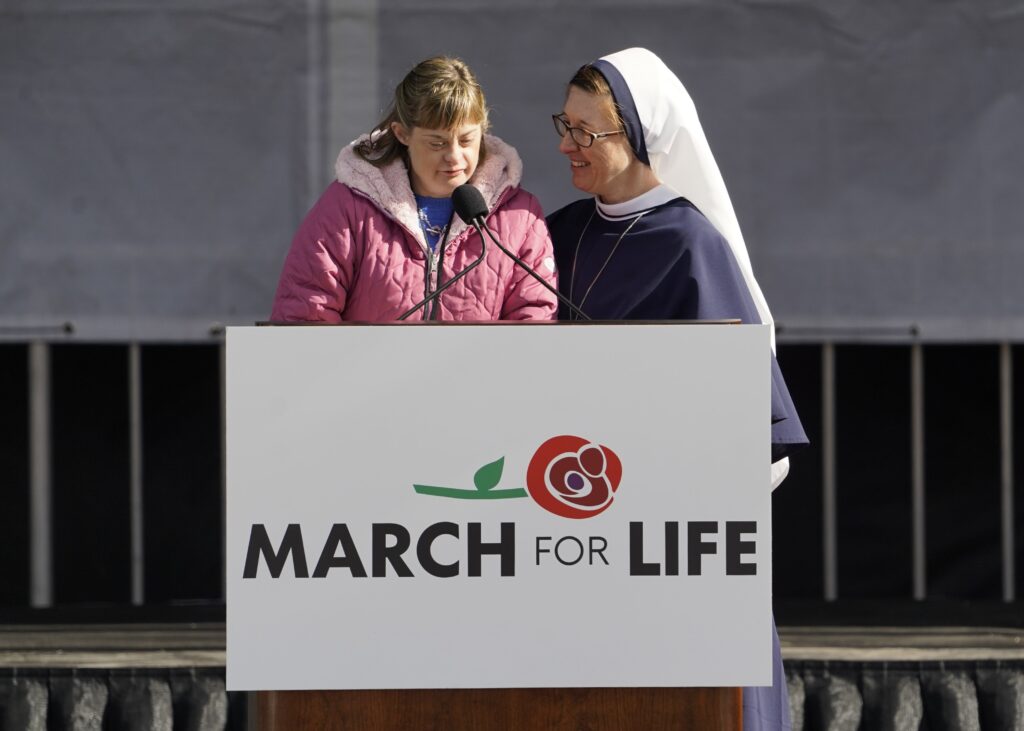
164,675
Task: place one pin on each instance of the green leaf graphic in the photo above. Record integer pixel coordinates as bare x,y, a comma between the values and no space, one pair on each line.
457,492
489,475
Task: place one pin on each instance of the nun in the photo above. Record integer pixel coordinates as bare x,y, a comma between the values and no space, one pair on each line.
657,239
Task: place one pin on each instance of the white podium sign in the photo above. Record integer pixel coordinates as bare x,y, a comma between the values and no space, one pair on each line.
496,505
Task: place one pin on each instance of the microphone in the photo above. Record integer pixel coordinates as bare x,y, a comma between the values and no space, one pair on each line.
472,209
470,206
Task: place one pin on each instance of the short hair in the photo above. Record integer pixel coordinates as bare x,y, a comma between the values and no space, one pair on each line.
592,81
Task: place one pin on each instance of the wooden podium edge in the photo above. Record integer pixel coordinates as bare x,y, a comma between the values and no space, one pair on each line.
501,709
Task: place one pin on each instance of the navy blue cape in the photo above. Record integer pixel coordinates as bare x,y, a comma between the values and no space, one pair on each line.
672,265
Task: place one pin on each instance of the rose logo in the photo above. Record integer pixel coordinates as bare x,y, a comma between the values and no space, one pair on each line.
572,477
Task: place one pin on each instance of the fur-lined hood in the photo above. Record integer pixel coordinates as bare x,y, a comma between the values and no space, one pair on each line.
389,187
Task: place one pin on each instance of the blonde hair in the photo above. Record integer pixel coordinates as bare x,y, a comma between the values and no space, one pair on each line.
439,93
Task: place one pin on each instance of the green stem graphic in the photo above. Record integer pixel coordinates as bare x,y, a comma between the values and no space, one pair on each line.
469,494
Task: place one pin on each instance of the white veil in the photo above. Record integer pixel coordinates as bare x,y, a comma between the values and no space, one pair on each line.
679,153
680,157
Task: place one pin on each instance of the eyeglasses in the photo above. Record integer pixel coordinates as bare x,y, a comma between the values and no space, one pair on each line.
582,137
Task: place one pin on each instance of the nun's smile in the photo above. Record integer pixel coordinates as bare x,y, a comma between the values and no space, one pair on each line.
606,167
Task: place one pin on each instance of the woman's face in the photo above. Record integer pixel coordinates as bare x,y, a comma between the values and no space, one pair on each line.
441,159
607,168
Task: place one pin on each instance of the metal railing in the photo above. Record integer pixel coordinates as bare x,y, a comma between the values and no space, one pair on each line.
41,489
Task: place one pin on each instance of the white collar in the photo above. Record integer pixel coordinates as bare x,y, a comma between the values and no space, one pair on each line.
656,196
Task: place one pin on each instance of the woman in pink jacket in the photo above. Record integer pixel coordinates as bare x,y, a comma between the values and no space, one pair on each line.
383,235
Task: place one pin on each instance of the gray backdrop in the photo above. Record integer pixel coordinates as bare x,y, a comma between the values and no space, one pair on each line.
155,157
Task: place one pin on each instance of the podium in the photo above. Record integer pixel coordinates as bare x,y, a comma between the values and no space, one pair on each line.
552,709
490,526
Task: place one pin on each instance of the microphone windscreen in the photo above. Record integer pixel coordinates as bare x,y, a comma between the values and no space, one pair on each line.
469,203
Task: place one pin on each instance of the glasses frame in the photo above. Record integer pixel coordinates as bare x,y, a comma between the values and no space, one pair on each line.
591,137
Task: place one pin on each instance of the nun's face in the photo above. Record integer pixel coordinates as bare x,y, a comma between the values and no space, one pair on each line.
608,168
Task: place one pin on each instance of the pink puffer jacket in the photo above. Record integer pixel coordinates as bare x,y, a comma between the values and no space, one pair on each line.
360,254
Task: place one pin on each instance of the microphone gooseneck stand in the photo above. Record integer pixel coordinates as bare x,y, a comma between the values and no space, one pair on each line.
472,209
561,298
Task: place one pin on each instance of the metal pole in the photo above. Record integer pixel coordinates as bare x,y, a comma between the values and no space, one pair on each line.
40,481
828,429
137,526
1006,454
222,349
350,89
917,468
315,88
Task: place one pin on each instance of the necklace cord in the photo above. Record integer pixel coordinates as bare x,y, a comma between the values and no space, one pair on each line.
576,254
437,292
